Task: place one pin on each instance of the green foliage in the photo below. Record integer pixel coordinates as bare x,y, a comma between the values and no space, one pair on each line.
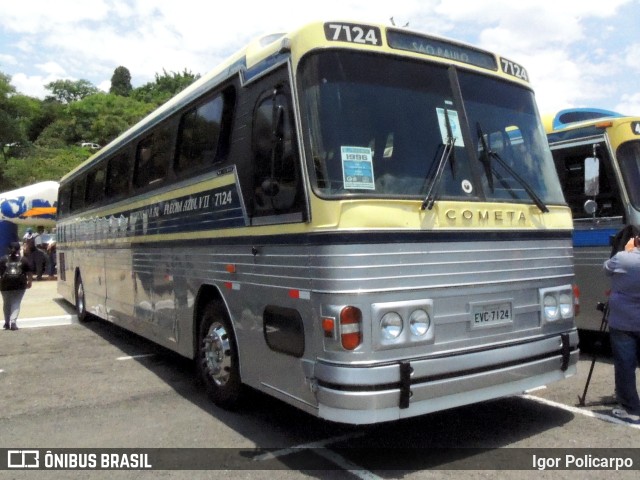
43,135
9,126
6,89
98,118
39,165
67,91
121,82
164,87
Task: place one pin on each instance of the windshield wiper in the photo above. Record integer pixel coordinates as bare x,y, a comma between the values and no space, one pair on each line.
447,155
485,158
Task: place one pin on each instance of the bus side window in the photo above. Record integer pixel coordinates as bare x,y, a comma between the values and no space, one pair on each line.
95,186
118,176
64,200
77,194
152,158
276,184
202,138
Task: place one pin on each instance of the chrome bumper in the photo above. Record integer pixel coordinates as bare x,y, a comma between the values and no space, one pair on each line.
368,394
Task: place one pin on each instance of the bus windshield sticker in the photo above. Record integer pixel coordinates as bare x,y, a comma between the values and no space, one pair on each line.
352,33
514,69
357,168
454,121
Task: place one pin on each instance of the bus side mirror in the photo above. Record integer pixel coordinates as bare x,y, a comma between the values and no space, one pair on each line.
270,187
590,207
591,176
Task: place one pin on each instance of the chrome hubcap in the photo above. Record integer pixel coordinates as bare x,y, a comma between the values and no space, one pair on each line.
217,354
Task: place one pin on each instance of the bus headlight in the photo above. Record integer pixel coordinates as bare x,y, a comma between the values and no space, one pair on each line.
566,305
391,325
557,303
419,323
551,309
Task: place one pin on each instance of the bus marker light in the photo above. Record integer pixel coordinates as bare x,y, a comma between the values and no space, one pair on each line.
328,326
303,294
230,268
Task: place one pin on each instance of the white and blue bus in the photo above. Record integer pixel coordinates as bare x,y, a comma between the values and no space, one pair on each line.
597,155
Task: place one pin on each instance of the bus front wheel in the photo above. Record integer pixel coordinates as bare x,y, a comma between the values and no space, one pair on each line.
218,357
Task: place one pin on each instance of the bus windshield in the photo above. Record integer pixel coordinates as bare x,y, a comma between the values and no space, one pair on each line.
629,159
384,127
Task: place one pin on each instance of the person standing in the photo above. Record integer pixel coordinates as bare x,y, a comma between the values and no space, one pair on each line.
15,278
624,327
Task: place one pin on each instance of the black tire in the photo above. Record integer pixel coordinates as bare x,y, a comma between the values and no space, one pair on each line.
81,305
217,359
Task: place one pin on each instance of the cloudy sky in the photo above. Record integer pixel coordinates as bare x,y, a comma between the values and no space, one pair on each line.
578,52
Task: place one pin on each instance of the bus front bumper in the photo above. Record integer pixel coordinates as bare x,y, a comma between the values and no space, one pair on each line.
378,393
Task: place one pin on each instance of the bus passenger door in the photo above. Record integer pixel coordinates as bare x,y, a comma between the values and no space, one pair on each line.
277,180
276,198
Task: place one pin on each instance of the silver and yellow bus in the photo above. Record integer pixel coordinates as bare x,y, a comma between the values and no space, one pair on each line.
338,217
597,155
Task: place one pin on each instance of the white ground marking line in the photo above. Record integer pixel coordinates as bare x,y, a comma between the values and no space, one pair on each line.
345,464
321,450
134,357
581,411
304,446
1,370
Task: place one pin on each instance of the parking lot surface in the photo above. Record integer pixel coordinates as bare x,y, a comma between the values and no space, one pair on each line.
95,386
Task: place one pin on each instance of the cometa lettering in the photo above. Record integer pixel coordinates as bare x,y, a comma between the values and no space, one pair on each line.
484,216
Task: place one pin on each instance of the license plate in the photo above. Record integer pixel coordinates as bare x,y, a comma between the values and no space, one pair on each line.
491,315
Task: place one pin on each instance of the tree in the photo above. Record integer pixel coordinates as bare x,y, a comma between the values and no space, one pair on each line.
165,86
101,118
97,118
68,91
121,82
9,126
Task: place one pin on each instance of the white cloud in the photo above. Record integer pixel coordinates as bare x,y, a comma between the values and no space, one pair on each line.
630,104
568,46
7,60
45,15
32,85
632,57
52,69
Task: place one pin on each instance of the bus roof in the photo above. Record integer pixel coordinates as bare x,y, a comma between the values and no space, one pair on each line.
574,117
268,51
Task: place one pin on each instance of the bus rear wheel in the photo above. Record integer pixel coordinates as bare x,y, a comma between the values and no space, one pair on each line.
217,357
81,306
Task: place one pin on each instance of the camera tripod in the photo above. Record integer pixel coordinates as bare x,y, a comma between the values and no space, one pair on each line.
604,308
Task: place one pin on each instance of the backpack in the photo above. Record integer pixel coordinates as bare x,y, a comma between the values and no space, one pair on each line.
13,277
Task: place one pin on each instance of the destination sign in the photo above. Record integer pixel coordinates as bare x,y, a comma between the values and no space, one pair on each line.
440,48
